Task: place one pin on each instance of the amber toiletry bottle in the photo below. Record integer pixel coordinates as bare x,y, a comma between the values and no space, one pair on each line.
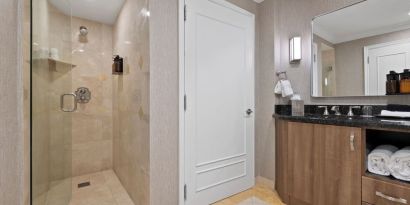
392,83
405,82
117,66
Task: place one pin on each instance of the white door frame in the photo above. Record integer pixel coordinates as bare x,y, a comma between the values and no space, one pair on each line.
315,70
181,104
181,70
366,59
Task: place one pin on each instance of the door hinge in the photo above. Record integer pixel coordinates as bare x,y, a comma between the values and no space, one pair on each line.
185,103
368,60
185,12
185,192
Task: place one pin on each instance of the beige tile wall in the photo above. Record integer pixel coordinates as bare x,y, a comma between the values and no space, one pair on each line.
51,142
92,125
131,100
40,110
60,75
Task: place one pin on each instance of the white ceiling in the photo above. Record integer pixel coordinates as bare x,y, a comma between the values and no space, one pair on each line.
104,11
372,17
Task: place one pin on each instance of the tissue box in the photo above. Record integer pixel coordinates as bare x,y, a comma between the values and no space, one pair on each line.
298,108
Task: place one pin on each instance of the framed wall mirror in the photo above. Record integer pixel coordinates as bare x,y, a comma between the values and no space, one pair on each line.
357,49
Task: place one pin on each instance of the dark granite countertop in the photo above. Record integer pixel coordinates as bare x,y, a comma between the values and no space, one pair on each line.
357,121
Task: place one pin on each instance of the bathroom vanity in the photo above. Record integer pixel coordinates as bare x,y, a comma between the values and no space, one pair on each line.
321,157
321,160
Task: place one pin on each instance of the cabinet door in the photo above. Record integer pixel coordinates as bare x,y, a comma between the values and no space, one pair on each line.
338,171
281,155
301,149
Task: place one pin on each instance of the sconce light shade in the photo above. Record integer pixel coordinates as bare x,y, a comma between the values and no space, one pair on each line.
295,49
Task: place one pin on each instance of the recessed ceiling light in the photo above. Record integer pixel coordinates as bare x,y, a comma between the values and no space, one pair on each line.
408,13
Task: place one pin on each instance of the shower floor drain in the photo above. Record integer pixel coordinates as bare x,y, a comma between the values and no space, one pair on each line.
84,184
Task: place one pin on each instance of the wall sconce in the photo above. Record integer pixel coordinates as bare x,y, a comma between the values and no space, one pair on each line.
295,48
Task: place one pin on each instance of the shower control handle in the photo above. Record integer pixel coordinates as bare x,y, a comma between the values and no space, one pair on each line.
62,107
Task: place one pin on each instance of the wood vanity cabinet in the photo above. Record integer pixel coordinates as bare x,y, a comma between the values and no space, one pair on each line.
318,164
281,159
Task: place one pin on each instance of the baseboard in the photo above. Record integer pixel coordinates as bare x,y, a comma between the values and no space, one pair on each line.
266,182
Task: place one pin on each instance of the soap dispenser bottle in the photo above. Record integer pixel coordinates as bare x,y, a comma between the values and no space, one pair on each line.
118,65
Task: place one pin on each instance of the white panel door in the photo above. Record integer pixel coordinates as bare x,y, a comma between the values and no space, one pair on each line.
219,86
383,59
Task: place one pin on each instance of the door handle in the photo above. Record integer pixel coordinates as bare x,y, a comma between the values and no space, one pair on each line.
352,142
62,102
249,111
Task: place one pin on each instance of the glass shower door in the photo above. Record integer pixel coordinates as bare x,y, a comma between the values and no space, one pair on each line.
51,137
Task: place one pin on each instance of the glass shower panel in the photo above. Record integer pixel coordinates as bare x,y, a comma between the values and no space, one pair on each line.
51,74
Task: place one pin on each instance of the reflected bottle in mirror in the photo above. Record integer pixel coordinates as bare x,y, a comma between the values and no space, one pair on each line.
392,83
405,82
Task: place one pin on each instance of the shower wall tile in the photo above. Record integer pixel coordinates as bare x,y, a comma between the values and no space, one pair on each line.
92,123
131,101
59,82
40,110
92,156
84,137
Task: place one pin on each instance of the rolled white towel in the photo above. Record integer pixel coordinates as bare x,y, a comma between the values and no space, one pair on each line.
399,164
278,88
378,159
394,114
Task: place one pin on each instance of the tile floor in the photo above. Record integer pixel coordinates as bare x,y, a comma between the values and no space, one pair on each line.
260,194
105,189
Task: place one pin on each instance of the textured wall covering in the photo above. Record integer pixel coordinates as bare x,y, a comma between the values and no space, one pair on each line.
264,99
164,102
12,141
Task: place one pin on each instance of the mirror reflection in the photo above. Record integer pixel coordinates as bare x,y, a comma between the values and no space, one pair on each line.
362,50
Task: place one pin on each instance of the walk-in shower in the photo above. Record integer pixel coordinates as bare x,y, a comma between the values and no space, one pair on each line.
89,128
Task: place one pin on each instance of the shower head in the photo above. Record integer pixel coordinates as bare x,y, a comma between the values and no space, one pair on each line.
83,31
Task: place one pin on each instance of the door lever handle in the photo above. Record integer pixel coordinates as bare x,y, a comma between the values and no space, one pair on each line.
249,111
